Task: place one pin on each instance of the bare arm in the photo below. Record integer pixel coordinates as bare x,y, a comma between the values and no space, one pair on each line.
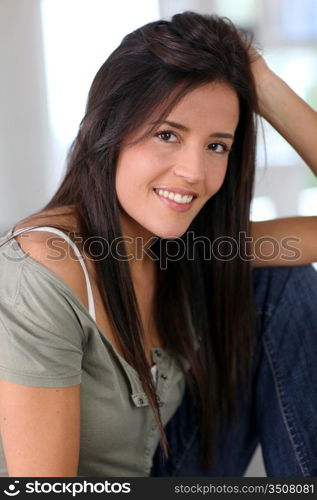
292,117
292,240
40,426
288,241
40,429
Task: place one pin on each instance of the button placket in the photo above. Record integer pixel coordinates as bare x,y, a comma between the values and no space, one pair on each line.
163,376
151,444
140,399
138,396
158,352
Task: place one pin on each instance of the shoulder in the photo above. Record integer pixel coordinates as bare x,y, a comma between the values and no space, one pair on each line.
42,332
55,253
34,301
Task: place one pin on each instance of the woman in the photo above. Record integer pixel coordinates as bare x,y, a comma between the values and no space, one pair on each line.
107,356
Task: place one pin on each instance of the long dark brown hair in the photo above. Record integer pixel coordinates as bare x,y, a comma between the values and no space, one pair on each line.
150,71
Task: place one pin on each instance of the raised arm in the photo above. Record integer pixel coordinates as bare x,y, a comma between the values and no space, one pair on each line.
286,241
290,241
292,117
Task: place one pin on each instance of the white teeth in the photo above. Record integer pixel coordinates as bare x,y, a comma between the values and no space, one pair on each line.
175,196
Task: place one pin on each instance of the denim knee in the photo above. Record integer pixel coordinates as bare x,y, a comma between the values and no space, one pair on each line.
286,378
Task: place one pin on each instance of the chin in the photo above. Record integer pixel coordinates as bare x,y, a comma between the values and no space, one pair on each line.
170,234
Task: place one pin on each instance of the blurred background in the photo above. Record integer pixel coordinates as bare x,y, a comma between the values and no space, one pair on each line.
50,51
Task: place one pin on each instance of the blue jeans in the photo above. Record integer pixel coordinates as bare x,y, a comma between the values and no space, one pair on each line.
281,413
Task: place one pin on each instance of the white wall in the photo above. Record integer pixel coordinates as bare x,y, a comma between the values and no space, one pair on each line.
32,131
26,150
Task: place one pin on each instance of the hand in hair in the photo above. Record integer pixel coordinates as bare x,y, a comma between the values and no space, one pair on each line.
261,73
290,115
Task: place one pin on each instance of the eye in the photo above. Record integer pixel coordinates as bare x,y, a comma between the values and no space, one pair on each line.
166,136
219,147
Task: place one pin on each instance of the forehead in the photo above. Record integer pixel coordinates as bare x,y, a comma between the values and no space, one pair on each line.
207,104
211,107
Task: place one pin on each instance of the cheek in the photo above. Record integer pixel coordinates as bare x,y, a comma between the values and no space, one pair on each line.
138,168
215,180
129,168
119,183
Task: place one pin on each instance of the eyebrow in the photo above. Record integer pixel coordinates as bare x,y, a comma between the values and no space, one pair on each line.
223,135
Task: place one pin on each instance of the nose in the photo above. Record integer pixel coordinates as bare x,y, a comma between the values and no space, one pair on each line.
190,165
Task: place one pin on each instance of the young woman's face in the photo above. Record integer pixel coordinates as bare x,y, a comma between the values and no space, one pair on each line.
164,180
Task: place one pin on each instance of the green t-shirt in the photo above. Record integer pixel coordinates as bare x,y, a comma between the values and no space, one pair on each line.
49,339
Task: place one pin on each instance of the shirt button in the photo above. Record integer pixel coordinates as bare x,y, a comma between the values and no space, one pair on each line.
163,376
158,399
140,401
158,353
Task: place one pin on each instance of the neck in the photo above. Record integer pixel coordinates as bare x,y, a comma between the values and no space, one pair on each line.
137,242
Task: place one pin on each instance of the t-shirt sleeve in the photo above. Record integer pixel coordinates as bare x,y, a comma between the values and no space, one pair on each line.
41,341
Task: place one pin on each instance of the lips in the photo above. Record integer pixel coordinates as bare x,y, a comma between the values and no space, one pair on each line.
174,200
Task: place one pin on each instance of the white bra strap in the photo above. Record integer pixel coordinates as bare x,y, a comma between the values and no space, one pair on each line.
91,304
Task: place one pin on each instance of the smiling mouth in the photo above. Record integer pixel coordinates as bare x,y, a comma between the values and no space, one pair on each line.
175,201
182,199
